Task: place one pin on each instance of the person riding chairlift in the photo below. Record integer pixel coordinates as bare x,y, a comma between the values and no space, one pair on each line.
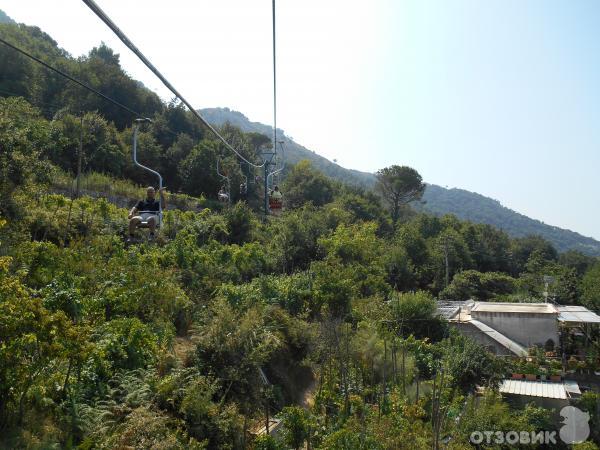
223,196
275,198
145,212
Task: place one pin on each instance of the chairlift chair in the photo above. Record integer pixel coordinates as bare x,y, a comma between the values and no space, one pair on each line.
144,223
276,203
224,197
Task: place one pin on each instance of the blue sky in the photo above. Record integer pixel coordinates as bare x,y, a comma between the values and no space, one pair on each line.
500,97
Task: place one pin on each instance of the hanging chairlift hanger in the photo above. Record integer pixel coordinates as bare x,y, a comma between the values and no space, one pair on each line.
144,223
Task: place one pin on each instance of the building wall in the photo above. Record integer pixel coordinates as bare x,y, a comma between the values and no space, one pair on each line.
527,329
482,338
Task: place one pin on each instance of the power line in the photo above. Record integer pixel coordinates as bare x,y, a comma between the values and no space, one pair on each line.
102,15
69,77
74,80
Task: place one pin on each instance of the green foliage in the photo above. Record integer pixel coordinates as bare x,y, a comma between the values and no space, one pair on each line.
23,138
399,185
297,425
471,284
32,339
235,344
414,313
471,365
126,343
266,442
590,286
491,413
304,184
168,344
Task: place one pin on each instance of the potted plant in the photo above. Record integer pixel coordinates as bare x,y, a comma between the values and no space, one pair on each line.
555,375
531,372
555,370
517,370
572,364
581,366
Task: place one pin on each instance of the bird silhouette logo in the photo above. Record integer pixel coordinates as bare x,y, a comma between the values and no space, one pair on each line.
576,428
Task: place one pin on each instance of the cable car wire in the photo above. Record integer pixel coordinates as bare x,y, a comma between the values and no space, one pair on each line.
274,85
104,17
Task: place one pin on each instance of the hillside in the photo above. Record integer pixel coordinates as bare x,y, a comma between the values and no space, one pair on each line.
464,204
295,151
478,208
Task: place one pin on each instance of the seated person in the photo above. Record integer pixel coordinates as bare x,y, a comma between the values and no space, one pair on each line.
147,211
275,198
223,196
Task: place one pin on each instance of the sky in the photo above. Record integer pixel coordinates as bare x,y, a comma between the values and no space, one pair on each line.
499,97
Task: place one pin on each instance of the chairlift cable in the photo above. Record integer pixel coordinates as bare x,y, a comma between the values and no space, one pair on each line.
274,84
129,44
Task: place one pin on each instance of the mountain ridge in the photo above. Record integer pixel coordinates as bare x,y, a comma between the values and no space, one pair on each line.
462,203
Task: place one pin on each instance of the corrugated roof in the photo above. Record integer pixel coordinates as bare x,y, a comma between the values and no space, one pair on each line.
448,312
450,308
535,389
572,388
578,314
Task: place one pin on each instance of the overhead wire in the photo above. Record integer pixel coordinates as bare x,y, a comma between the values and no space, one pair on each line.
274,84
129,44
76,81
71,78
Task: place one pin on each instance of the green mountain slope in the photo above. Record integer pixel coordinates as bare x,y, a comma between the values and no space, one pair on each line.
4,18
478,208
464,204
294,151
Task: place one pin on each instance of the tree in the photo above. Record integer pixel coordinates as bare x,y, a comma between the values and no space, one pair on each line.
33,339
471,284
523,248
590,286
574,259
470,364
297,425
399,185
198,170
414,313
24,137
305,184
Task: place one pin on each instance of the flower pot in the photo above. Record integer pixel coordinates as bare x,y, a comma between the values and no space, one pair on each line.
556,378
530,377
517,376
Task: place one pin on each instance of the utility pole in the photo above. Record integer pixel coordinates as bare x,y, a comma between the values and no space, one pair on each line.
79,157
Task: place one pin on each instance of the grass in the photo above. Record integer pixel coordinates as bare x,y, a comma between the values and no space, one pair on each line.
117,190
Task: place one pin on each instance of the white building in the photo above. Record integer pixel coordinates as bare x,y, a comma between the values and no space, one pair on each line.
512,328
